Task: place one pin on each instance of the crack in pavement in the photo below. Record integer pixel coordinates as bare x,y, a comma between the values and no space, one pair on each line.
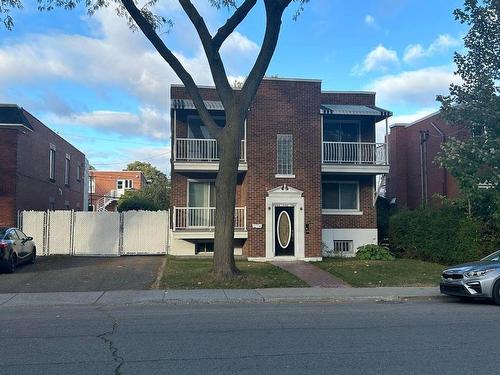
106,337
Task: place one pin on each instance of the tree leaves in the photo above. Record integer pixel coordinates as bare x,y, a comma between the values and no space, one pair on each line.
475,104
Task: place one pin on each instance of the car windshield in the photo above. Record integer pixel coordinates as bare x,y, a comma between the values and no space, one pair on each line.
495,257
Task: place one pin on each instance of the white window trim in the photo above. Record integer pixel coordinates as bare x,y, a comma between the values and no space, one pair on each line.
333,211
330,211
284,175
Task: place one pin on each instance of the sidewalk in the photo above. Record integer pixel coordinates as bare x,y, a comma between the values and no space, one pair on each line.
291,295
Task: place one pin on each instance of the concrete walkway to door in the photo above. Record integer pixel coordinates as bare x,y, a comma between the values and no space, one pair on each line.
312,275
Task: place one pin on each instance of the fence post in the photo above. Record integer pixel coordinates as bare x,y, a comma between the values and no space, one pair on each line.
174,220
120,233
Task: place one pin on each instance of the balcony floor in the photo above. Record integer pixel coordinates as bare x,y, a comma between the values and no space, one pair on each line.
355,168
203,166
204,234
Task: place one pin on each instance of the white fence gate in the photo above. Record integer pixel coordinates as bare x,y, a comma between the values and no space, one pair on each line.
97,233
142,234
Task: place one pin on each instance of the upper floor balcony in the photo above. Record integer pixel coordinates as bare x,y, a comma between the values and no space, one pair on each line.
354,157
348,139
201,154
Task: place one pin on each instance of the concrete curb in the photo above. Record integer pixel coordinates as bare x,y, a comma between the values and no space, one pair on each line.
214,296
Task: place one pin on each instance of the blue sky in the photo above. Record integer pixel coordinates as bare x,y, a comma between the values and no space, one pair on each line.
106,90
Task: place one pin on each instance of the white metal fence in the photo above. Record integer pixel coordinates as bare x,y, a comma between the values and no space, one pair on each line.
190,149
354,153
204,218
97,233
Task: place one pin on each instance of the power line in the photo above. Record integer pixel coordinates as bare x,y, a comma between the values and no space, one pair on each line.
106,139
128,161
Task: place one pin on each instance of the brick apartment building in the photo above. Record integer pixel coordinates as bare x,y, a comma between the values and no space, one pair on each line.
39,170
307,172
106,187
414,178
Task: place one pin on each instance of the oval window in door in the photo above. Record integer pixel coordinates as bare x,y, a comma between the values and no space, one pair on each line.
284,229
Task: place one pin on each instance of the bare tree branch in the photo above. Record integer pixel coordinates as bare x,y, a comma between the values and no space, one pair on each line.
232,23
174,63
274,12
214,60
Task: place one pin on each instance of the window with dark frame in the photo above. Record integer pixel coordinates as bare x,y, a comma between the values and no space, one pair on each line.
67,167
78,171
340,196
52,163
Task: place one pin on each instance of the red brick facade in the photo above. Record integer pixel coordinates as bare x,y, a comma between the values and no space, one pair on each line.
103,182
412,150
24,167
285,107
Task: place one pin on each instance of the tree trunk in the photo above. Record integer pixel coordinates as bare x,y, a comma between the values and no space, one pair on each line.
229,144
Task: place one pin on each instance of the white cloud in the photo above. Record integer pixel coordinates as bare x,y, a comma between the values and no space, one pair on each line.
404,119
378,59
411,117
370,21
116,59
149,122
237,42
417,87
159,156
442,43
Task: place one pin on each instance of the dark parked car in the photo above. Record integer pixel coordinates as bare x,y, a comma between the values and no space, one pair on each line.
478,279
15,248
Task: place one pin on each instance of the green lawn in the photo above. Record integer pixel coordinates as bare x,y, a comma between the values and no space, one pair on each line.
188,273
400,272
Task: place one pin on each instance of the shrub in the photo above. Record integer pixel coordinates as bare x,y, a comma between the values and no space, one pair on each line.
373,252
444,235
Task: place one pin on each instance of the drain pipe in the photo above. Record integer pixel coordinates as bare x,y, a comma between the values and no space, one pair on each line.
445,172
424,136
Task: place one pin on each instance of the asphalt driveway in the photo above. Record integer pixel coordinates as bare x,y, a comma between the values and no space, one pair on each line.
78,274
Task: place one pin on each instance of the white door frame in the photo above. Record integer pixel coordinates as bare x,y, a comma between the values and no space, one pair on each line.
290,197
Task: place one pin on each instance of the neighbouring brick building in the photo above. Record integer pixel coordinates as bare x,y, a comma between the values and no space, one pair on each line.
39,170
307,172
106,187
414,178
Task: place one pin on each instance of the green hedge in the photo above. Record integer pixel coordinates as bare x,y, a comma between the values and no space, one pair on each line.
445,235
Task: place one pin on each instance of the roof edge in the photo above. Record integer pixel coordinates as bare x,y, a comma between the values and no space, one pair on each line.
349,92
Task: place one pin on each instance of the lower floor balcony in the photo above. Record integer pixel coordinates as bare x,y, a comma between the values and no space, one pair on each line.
199,222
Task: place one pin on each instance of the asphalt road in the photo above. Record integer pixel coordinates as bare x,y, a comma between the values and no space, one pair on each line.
82,274
427,337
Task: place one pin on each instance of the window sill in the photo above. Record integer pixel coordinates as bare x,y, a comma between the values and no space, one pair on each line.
284,175
341,212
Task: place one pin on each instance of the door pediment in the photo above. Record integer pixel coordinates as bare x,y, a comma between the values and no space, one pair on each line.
284,191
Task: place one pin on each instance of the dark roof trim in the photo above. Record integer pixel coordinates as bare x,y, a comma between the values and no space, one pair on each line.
12,116
188,104
355,110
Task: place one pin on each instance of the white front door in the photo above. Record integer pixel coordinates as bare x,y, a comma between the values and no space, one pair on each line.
285,216
120,187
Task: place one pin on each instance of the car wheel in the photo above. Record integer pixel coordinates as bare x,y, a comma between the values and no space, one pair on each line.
496,292
33,256
11,265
